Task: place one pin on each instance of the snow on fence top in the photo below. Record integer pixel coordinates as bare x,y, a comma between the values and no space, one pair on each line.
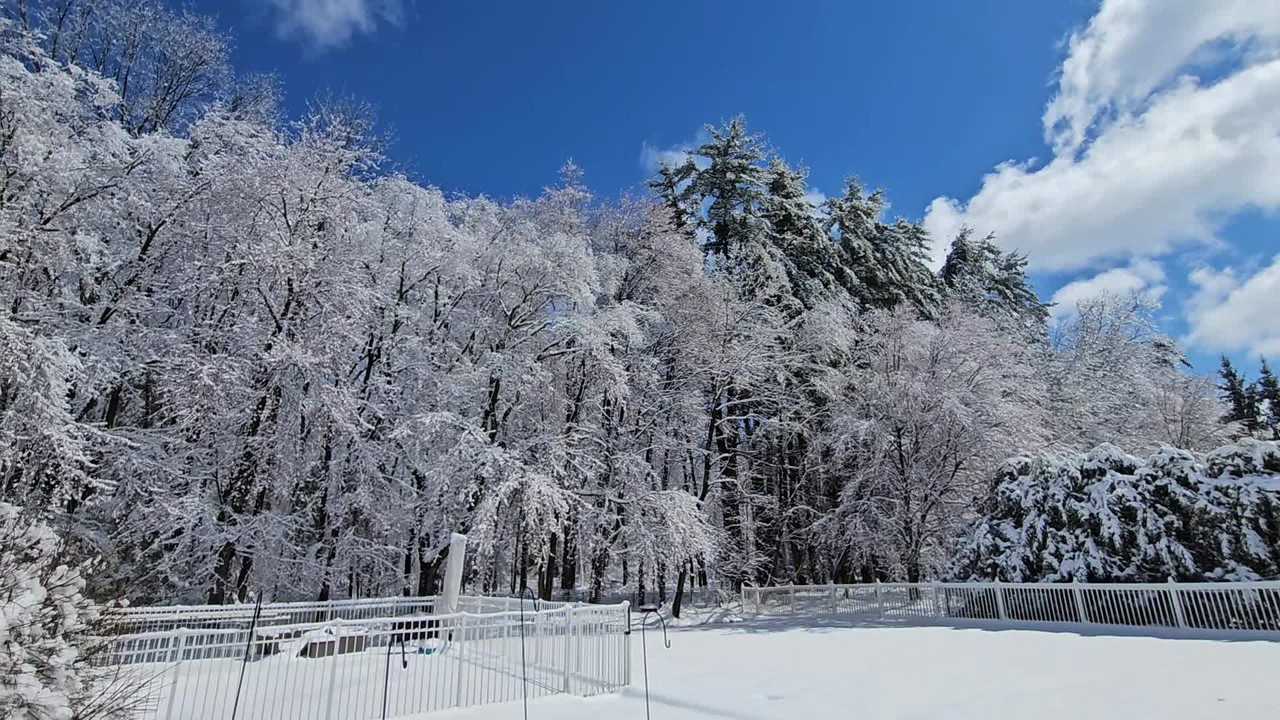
171,617
1251,608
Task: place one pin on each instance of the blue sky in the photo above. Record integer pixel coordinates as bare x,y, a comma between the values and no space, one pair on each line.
1121,145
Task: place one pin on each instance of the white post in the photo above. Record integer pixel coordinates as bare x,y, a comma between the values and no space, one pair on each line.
1000,600
834,603
453,575
177,668
537,638
568,644
793,599
460,640
879,600
1075,590
626,645
1177,604
333,675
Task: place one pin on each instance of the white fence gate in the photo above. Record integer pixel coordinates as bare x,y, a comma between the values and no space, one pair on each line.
1229,608
348,660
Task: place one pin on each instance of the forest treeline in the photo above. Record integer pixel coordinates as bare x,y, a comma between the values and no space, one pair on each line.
240,354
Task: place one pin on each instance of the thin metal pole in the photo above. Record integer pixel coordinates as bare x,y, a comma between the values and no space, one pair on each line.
644,649
644,653
524,671
386,678
248,647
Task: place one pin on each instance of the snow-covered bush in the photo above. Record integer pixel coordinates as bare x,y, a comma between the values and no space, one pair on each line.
1108,516
45,623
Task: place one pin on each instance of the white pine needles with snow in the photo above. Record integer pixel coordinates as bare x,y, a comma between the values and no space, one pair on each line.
44,618
1106,516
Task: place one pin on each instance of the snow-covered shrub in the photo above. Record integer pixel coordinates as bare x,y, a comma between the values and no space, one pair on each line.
46,629
1108,516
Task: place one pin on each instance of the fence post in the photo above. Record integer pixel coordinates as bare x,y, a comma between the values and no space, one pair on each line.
1000,601
834,602
879,600
793,599
177,670
568,645
460,640
1177,604
537,637
626,646
937,599
1075,590
333,675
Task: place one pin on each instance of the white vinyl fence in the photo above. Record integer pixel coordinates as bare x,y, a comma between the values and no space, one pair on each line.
1231,608
349,660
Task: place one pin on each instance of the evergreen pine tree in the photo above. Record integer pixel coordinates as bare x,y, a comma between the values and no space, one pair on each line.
672,186
883,265
900,268
1240,396
797,234
995,282
734,183
1269,396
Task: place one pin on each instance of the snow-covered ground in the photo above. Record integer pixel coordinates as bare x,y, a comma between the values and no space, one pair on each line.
776,669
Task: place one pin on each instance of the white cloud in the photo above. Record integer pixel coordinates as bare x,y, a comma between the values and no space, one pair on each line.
1231,310
1143,276
1147,157
325,24
1132,47
652,158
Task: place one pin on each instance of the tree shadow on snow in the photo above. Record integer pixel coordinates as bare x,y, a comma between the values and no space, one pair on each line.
691,706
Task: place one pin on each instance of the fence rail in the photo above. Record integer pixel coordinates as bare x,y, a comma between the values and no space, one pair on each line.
1244,607
172,617
207,664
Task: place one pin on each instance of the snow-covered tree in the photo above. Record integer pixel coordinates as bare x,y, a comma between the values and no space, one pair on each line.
929,411
1115,378
49,632
883,265
1244,400
994,282
1268,394
1106,516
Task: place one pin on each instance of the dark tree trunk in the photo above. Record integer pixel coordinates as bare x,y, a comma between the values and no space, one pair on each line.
549,571
428,575
599,566
222,573
679,598
569,565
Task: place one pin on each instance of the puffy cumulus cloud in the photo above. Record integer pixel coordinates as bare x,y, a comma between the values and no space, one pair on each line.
1132,47
326,24
1166,121
1234,310
1144,277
